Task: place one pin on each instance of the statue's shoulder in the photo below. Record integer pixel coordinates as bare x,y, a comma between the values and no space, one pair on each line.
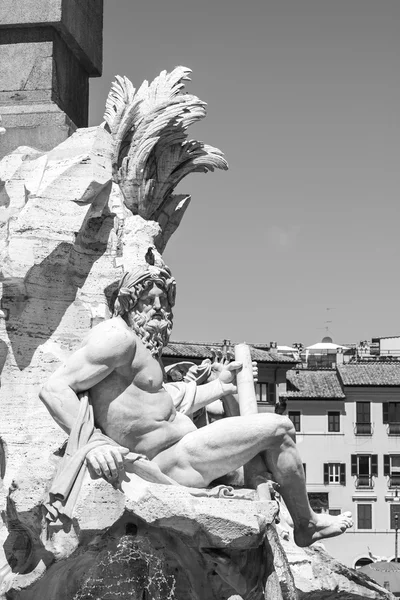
113,334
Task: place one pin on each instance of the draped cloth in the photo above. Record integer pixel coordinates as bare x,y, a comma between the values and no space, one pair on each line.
84,436
67,483
183,395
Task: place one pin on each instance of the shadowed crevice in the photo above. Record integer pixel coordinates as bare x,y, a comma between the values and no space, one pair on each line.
35,305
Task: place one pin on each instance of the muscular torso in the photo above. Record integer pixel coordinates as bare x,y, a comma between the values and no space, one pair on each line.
131,406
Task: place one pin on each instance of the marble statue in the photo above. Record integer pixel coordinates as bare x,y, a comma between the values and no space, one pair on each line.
119,365
127,499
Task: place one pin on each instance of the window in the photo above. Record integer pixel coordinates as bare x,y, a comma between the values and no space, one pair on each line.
364,516
335,511
334,473
391,468
294,416
391,416
364,467
266,392
363,418
394,510
334,421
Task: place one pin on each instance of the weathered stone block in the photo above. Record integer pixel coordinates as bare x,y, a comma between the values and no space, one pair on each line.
48,51
37,67
80,23
32,63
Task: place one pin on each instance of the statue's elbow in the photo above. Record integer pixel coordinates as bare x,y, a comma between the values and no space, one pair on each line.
46,393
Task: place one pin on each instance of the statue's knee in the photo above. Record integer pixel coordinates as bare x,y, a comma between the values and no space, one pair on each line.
285,428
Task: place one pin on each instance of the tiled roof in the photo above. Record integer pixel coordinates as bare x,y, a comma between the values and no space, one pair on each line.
370,373
384,337
303,383
204,350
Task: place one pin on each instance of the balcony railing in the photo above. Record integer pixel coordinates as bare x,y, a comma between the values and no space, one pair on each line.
363,429
364,481
394,481
393,428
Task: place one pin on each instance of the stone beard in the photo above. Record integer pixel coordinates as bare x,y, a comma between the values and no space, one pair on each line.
153,327
154,333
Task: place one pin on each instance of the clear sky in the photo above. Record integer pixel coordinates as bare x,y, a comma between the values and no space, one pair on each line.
304,99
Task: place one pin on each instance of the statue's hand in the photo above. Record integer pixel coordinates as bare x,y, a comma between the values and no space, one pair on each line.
225,369
228,372
107,461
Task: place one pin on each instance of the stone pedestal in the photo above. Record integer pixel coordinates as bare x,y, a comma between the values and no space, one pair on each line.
48,51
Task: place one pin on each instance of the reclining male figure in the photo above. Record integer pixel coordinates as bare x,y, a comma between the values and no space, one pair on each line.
119,364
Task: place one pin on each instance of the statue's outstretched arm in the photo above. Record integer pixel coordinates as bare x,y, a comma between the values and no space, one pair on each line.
223,386
209,392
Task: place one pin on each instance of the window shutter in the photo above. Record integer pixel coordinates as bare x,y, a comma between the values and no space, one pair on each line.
326,473
354,464
342,474
385,412
386,464
374,465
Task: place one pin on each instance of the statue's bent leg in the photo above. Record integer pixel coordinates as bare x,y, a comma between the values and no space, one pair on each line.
208,453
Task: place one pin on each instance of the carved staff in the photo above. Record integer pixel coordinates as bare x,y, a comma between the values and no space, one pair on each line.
245,381
255,477
254,470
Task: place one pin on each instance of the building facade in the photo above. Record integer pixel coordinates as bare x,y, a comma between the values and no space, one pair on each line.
348,433
347,420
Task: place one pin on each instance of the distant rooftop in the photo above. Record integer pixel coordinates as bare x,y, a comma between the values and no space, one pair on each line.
370,373
304,383
202,350
384,337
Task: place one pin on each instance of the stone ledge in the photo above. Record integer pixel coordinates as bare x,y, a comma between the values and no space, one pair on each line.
206,521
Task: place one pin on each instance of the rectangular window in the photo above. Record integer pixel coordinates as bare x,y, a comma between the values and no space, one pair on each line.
295,417
394,510
335,511
363,418
334,473
334,421
391,468
391,417
364,516
266,392
364,467
272,393
262,392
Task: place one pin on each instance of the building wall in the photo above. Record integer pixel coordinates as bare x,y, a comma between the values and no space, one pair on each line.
317,446
389,346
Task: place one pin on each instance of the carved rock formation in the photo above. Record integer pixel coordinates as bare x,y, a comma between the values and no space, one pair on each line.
160,539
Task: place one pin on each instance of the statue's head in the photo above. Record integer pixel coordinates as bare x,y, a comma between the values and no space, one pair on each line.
145,298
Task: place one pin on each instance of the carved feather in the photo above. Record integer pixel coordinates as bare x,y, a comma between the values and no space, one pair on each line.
151,153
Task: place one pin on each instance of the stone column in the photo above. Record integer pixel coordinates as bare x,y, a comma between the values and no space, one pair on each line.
48,51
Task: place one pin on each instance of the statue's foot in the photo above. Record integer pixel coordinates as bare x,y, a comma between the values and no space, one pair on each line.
322,526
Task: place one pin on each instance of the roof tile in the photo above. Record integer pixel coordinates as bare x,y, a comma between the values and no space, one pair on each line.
204,350
303,383
370,373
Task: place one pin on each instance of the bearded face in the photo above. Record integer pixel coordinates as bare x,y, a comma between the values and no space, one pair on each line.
151,318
